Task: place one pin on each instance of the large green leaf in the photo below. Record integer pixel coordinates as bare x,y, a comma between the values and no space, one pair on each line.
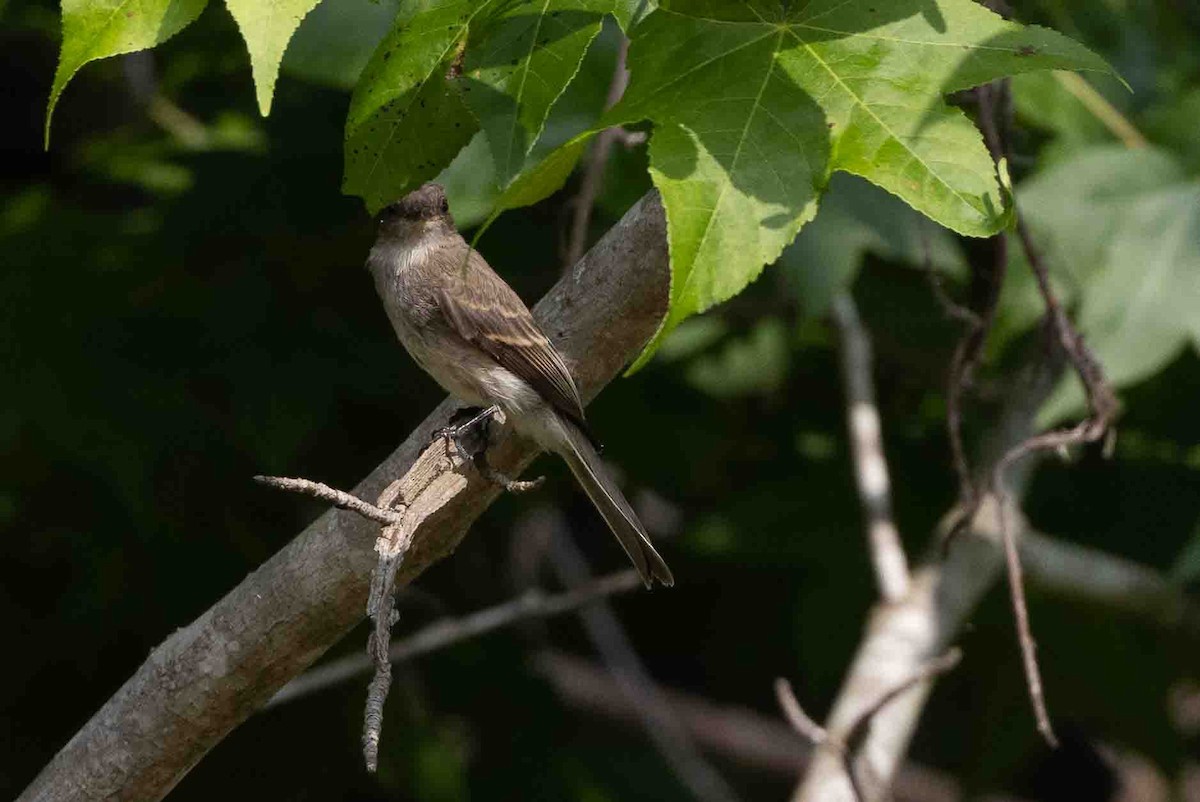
1120,231
406,120
267,25
520,66
755,107
96,29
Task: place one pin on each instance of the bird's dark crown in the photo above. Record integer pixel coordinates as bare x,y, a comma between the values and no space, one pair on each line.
427,203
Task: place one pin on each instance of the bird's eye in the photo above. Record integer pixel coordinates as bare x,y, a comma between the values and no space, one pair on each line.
445,206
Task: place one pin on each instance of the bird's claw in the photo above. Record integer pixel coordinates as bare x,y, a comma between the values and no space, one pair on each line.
468,430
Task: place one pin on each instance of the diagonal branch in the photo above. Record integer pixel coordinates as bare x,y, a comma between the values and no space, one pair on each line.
529,605
209,676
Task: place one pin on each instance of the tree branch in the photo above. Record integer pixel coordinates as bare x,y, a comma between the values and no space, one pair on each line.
529,605
866,441
740,735
209,676
903,637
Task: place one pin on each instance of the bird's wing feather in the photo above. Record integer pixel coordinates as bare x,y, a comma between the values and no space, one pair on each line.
486,311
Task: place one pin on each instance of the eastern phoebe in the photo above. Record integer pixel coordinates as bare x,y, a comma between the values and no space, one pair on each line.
468,330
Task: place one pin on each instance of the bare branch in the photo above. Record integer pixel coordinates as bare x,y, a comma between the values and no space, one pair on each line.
338,498
739,735
529,605
795,714
901,638
1016,590
924,673
845,749
866,442
207,677
1103,408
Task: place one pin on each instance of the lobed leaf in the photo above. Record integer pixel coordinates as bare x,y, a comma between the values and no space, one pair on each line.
96,29
267,26
755,106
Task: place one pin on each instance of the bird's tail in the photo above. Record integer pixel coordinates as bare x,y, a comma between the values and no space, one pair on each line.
585,463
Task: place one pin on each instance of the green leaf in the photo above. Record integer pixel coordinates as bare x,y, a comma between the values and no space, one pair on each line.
1120,231
754,108
470,183
518,68
544,178
267,25
96,29
538,182
630,12
407,120
337,39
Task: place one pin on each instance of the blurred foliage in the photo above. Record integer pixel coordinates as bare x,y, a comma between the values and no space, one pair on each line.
184,307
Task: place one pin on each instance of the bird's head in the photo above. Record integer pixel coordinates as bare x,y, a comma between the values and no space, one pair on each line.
421,211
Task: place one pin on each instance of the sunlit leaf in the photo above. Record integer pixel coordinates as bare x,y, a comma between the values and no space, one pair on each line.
755,107
267,25
96,29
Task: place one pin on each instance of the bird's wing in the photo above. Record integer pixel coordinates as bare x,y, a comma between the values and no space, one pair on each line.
485,311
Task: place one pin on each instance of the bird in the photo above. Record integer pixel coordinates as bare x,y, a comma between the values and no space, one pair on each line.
471,332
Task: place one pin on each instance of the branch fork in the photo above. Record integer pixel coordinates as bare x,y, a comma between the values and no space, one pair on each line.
434,479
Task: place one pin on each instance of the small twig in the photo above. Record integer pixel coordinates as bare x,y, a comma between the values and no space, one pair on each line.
950,307
746,738
1016,592
794,713
987,281
866,441
338,498
932,668
846,749
532,604
1102,404
961,363
402,506
393,544
593,175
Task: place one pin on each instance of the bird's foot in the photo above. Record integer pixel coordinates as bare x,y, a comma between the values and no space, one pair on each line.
468,430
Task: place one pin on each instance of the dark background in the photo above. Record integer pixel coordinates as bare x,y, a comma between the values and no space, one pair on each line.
175,319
